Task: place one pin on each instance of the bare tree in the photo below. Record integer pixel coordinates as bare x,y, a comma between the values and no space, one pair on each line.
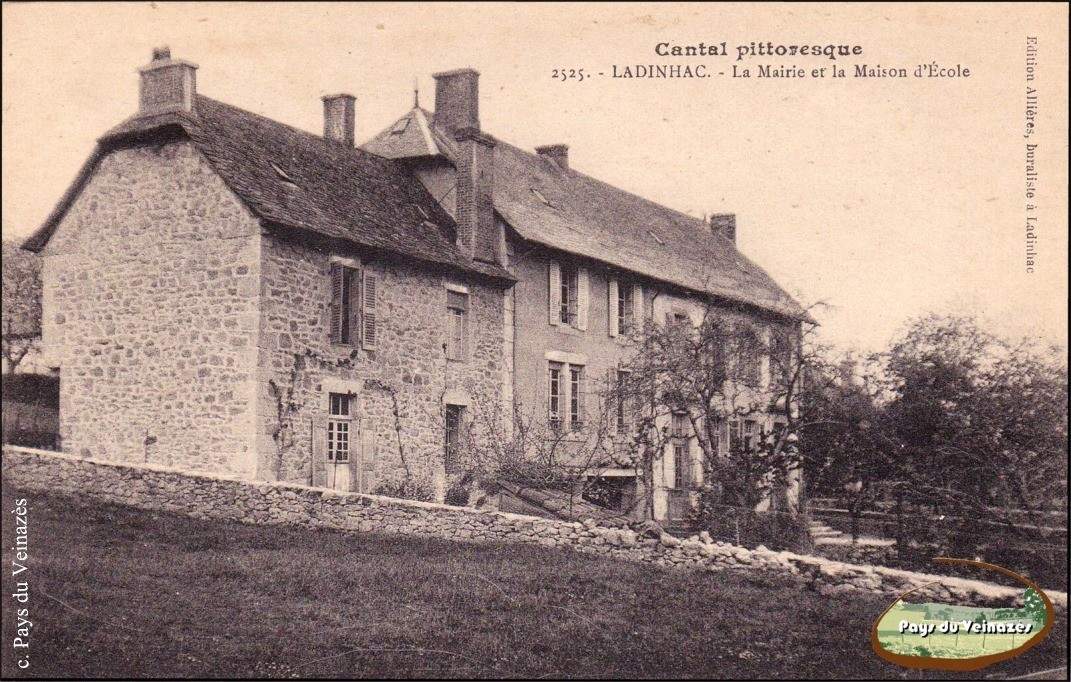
21,320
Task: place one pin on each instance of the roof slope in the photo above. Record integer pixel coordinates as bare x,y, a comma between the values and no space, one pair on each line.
567,210
292,179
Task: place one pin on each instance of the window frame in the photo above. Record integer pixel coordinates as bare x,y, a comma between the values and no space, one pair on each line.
452,448
339,428
457,349
568,294
626,307
554,392
576,396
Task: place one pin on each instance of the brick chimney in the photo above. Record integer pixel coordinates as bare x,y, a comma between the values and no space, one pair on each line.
558,153
477,231
167,84
457,99
339,118
724,223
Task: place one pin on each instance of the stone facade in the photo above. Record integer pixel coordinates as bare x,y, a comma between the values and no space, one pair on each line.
182,332
231,499
408,366
151,309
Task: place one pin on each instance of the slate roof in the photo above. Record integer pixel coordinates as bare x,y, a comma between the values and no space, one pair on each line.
296,181
587,217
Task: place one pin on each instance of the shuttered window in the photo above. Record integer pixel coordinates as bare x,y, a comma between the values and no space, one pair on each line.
345,285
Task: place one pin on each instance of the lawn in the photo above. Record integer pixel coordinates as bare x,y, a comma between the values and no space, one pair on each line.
117,592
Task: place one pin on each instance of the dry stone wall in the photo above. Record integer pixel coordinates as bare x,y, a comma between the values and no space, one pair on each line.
218,497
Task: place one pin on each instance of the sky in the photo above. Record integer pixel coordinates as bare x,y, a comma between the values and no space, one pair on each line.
883,199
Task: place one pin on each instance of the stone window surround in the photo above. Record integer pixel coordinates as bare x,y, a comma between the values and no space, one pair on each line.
466,351
567,361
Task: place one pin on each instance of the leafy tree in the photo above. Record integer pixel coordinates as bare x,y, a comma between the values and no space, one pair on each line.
21,319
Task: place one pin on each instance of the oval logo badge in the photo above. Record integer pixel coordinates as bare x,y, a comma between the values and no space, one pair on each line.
915,633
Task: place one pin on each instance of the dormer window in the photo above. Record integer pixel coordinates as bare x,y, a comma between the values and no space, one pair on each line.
282,175
400,126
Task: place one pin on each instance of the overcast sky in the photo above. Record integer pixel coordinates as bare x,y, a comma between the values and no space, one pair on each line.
886,198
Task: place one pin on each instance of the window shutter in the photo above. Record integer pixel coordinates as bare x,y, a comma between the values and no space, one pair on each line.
612,399
369,323
611,306
368,460
318,456
356,431
354,312
555,298
336,311
582,286
637,306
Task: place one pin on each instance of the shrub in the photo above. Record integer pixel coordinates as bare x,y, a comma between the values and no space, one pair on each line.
776,530
407,488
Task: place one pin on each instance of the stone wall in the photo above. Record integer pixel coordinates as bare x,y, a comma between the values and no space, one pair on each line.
408,365
150,308
217,497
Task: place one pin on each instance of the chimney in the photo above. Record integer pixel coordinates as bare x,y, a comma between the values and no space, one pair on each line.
339,118
457,95
477,231
167,84
558,153
725,223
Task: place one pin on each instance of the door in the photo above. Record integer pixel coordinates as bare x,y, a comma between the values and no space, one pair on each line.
340,440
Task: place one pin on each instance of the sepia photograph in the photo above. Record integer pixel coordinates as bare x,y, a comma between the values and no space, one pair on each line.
534,340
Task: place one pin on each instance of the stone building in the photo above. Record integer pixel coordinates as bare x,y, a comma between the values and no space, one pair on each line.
225,293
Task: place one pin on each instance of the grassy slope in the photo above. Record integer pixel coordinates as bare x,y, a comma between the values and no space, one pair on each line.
153,594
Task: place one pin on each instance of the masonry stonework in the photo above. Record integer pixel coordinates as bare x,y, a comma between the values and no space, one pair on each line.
150,293
407,372
210,496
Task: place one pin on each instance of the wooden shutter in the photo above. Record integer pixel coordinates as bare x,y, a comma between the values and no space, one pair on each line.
582,298
611,306
355,450
319,452
555,299
612,398
336,311
354,312
368,460
369,322
637,306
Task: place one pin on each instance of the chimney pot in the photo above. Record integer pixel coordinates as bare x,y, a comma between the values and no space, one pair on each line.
457,99
167,84
725,224
558,153
339,118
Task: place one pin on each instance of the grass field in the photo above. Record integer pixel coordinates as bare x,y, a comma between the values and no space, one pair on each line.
117,592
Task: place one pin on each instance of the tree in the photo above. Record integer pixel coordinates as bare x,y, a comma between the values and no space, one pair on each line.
709,371
21,319
983,423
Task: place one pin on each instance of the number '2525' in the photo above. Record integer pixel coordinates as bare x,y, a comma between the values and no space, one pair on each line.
568,74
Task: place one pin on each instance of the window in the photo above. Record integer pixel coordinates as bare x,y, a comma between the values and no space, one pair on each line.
576,395
680,441
457,309
568,295
781,357
624,419
338,428
555,393
714,426
626,307
734,436
750,434
353,305
454,437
